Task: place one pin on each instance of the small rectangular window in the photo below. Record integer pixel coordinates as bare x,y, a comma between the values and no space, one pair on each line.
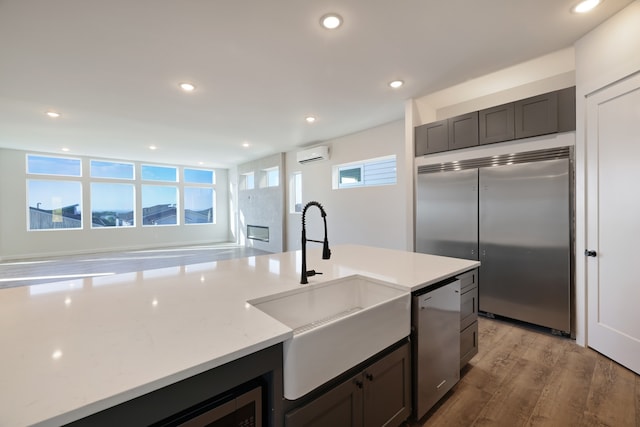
272,176
295,194
54,204
199,176
247,181
159,205
114,170
198,205
46,165
372,172
350,176
159,173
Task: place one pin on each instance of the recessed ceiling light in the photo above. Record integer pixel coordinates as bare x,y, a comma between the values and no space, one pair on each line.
245,144
586,6
65,149
53,114
396,84
187,87
310,119
152,147
331,21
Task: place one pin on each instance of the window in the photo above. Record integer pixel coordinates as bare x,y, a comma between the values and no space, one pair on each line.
379,171
159,205
199,201
199,205
272,176
61,166
54,204
112,205
199,176
113,170
159,173
295,194
247,181
350,175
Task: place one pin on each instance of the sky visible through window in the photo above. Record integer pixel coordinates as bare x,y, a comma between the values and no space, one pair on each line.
159,173
53,166
198,176
50,195
100,169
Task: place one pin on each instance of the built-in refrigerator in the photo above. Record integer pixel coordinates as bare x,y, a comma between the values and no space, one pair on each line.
514,214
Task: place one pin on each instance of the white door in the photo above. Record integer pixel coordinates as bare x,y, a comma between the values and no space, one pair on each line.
613,221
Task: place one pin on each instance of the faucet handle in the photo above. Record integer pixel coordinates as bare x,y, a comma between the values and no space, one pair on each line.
312,273
326,252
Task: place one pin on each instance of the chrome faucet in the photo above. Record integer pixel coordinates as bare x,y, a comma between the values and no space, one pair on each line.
326,252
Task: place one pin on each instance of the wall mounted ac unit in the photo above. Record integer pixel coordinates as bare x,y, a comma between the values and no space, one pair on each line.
313,154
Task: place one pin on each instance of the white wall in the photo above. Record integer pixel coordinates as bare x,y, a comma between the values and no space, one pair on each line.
607,54
374,216
16,242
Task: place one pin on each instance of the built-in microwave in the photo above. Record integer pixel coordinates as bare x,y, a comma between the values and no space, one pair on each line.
238,408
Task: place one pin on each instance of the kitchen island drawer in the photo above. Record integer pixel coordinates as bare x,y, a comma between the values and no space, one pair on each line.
468,280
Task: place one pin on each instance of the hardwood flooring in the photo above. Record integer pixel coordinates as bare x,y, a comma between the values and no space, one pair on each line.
524,377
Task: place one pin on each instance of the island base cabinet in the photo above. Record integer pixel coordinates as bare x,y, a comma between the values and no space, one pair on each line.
468,343
468,316
378,395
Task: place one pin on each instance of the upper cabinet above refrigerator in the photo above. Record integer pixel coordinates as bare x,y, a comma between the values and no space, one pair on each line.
551,112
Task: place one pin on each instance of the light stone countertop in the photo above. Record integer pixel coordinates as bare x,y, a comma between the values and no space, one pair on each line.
73,348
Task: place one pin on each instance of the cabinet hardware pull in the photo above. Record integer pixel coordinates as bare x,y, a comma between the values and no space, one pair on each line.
590,253
358,384
369,376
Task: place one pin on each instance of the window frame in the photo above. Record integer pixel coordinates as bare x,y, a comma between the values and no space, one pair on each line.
363,165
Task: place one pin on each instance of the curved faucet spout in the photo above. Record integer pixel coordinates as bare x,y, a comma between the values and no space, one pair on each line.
326,252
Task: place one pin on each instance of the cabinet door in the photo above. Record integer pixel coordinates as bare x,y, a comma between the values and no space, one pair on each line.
496,124
468,343
567,109
340,406
468,307
537,115
431,138
387,389
463,131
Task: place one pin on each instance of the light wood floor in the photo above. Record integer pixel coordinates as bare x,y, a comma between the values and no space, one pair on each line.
523,377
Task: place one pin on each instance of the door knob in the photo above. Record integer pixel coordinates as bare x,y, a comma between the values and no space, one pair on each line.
587,252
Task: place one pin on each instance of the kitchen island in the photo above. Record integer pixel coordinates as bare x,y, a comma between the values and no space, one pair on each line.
74,348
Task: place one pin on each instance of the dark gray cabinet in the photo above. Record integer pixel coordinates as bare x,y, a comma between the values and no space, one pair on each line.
567,109
432,138
496,124
377,395
537,115
468,316
450,134
341,406
463,131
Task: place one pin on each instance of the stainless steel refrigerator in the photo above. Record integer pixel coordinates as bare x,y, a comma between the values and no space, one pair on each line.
514,214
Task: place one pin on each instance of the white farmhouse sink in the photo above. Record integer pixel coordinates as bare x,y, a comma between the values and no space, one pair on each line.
336,325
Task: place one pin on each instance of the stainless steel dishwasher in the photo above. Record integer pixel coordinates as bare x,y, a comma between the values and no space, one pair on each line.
436,343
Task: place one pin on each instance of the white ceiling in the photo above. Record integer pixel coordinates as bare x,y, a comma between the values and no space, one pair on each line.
112,68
